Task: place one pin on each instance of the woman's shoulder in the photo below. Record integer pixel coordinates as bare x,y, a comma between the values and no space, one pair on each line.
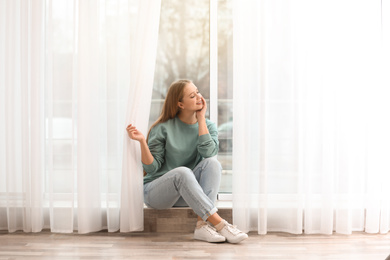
162,127
158,129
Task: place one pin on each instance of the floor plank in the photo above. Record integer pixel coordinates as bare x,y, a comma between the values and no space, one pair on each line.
181,246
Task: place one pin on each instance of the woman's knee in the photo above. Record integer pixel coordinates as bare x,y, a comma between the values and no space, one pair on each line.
213,163
184,173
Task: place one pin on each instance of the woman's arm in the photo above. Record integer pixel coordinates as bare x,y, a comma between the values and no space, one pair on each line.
152,153
146,156
208,144
201,116
208,138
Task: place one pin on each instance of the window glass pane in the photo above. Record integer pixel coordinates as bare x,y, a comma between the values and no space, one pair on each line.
225,92
183,48
183,53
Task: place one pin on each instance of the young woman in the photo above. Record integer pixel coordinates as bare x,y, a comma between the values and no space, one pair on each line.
178,158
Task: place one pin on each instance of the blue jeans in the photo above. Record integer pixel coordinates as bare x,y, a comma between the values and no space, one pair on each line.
182,187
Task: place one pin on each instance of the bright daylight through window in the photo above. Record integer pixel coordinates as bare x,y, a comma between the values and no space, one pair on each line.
184,51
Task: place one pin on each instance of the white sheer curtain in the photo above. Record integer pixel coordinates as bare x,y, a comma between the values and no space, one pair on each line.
138,109
66,72
310,107
21,115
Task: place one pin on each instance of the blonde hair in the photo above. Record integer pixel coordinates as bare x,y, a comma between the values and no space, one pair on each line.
170,108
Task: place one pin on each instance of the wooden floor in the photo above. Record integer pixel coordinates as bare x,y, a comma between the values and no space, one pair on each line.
161,246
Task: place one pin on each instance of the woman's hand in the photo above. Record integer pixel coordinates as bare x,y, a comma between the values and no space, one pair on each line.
146,157
202,113
134,133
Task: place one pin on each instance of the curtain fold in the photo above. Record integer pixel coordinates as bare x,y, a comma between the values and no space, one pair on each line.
71,72
249,187
309,109
89,85
138,109
22,121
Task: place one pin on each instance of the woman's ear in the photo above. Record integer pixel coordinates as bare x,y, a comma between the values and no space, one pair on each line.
180,105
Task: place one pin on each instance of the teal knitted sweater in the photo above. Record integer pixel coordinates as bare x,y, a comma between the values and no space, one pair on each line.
175,143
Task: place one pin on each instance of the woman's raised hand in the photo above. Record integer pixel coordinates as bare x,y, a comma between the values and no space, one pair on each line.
134,133
202,112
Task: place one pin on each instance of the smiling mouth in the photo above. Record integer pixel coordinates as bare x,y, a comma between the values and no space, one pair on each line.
199,103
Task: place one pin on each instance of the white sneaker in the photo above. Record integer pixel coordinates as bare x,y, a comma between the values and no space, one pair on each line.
208,233
232,233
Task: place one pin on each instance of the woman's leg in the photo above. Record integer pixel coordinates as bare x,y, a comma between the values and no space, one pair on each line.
214,219
165,191
208,175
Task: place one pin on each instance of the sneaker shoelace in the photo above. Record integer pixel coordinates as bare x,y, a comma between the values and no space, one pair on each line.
212,228
209,229
232,229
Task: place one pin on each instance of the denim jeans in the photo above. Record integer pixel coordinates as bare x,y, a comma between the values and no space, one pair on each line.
181,187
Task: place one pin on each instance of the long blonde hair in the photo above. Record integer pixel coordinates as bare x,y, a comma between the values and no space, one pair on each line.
170,108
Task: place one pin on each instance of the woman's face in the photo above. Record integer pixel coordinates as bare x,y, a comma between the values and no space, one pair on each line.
192,99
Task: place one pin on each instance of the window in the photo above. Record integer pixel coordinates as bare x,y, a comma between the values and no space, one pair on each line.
225,91
191,47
